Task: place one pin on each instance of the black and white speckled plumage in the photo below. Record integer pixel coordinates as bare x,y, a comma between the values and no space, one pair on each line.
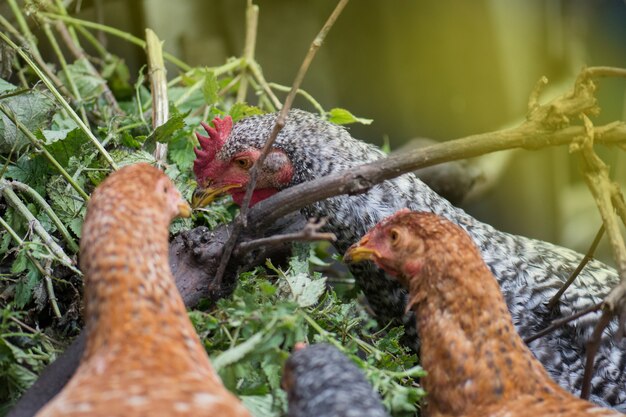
529,271
322,382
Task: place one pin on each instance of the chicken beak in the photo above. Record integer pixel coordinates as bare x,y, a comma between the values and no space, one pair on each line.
203,196
359,252
184,210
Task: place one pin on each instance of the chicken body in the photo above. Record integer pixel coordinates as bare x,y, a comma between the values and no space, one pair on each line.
476,363
321,382
142,356
529,271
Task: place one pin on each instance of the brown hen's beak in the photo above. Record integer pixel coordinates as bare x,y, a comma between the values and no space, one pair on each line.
183,209
359,252
203,196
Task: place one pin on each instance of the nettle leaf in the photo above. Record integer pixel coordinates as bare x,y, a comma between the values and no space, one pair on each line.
340,116
305,291
167,130
260,405
241,110
89,85
32,108
65,203
181,153
31,170
123,158
62,149
236,353
25,285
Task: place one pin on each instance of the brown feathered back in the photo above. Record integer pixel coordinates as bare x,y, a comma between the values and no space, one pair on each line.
142,356
476,362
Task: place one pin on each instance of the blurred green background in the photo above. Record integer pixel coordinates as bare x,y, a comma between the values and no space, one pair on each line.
432,68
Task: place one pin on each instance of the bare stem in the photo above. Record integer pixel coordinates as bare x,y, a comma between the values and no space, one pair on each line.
80,54
158,89
561,322
65,69
115,32
310,232
18,240
241,220
46,208
252,21
15,202
588,256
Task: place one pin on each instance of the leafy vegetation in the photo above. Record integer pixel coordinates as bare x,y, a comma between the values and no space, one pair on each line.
63,128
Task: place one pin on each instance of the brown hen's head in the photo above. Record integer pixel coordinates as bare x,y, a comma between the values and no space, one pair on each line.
404,243
219,171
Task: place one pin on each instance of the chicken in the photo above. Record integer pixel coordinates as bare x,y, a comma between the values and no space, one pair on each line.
529,271
142,355
476,363
321,382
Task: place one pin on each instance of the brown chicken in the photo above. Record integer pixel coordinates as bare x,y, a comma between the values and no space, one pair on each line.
477,364
143,357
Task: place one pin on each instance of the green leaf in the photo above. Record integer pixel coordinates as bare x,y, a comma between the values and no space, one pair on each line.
166,131
33,108
305,291
181,153
238,352
241,110
62,149
260,405
340,116
90,86
29,170
210,88
20,263
25,286
64,201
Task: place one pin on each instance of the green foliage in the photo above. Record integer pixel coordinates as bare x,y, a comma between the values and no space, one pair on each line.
344,117
249,336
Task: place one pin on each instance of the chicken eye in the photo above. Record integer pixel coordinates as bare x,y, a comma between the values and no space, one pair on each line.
394,236
243,163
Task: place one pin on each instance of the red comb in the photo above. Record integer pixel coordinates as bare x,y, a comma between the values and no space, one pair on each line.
210,145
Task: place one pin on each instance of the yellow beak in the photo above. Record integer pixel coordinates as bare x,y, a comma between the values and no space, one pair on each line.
203,196
359,253
183,209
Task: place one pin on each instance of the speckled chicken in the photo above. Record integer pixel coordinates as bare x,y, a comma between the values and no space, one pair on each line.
321,382
476,363
529,271
142,357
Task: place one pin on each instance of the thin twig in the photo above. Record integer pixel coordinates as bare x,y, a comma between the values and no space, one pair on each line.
252,20
588,256
80,54
309,233
241,219
158,90
561,322
115,32
15,202
35,331
255,70
26,189
360,178
18,240
64,67
304,94
61,100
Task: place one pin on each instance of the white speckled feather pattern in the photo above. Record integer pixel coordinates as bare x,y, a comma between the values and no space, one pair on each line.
529,271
